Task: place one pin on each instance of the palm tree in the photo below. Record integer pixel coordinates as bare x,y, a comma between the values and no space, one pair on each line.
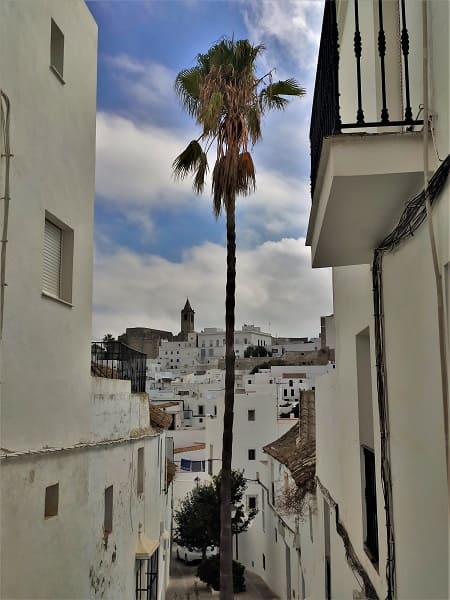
226,98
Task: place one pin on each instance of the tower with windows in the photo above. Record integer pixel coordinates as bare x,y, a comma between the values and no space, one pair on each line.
187,319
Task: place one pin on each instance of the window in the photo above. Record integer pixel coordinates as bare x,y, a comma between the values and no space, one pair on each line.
264,561
285,392
147,577
249,381
370,508
57,260
251,454
217,342
201,410
57,51
251,414
366,438
108,518
263,510
291,383
140,471
292,392
276,535
251,502
51,501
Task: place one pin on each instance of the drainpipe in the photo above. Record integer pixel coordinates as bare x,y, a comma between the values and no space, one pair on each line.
4,118
437,273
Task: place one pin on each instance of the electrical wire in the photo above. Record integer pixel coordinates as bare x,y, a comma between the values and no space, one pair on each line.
412,217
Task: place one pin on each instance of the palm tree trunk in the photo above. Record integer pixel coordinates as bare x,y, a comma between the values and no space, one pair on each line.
226,548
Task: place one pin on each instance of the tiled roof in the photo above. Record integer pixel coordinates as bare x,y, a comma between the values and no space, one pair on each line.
159,418
296,449
191,448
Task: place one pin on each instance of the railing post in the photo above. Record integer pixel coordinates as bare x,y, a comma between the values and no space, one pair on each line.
357,45
382,53
335,53
405,51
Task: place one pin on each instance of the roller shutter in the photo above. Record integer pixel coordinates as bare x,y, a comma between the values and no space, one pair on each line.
51,269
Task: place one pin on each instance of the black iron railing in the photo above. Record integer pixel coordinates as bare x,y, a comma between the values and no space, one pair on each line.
325,116
115,360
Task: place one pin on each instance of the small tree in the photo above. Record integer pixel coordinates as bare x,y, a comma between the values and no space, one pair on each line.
108,337
197,521
194,520
256,351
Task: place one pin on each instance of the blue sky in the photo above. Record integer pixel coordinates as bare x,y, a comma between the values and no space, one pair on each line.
156,241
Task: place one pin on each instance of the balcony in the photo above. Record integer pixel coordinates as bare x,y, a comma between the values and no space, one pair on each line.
115,360
366,141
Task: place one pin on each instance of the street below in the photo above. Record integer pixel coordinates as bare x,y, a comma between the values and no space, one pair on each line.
184,585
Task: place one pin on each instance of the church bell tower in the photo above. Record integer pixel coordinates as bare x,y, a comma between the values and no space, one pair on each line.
187,319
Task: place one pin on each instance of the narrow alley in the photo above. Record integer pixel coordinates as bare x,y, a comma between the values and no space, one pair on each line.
184,585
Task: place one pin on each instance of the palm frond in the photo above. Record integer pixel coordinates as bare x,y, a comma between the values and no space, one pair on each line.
211,115
271,97
246,174
187,88
200,175
189,160
254,123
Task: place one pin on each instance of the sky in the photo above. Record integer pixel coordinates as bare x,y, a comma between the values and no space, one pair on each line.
156,241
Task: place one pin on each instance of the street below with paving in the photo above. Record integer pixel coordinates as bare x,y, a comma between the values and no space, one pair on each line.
184,585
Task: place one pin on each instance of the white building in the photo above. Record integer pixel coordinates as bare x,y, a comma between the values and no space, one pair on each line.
202,351
80,454
278,544
181,356
382,482
211,341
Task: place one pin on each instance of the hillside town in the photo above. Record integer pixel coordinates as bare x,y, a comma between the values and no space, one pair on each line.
339,437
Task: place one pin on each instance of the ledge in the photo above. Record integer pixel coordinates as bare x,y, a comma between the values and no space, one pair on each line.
56,299
362,185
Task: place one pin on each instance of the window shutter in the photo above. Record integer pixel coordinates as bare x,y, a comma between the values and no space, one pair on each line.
51,267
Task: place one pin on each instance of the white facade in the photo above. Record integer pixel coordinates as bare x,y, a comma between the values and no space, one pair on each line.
202,351
79,455
179,356
362,187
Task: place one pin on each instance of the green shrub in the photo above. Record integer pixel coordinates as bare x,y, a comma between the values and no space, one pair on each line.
209,572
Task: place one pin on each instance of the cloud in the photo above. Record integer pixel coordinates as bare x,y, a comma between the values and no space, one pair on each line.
288,28
147,84
134,162
275,283
134,174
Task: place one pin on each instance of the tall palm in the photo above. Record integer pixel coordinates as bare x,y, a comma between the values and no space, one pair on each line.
226,98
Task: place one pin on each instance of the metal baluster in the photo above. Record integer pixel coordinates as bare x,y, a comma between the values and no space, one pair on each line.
382,52
335,74
405,51
357,45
